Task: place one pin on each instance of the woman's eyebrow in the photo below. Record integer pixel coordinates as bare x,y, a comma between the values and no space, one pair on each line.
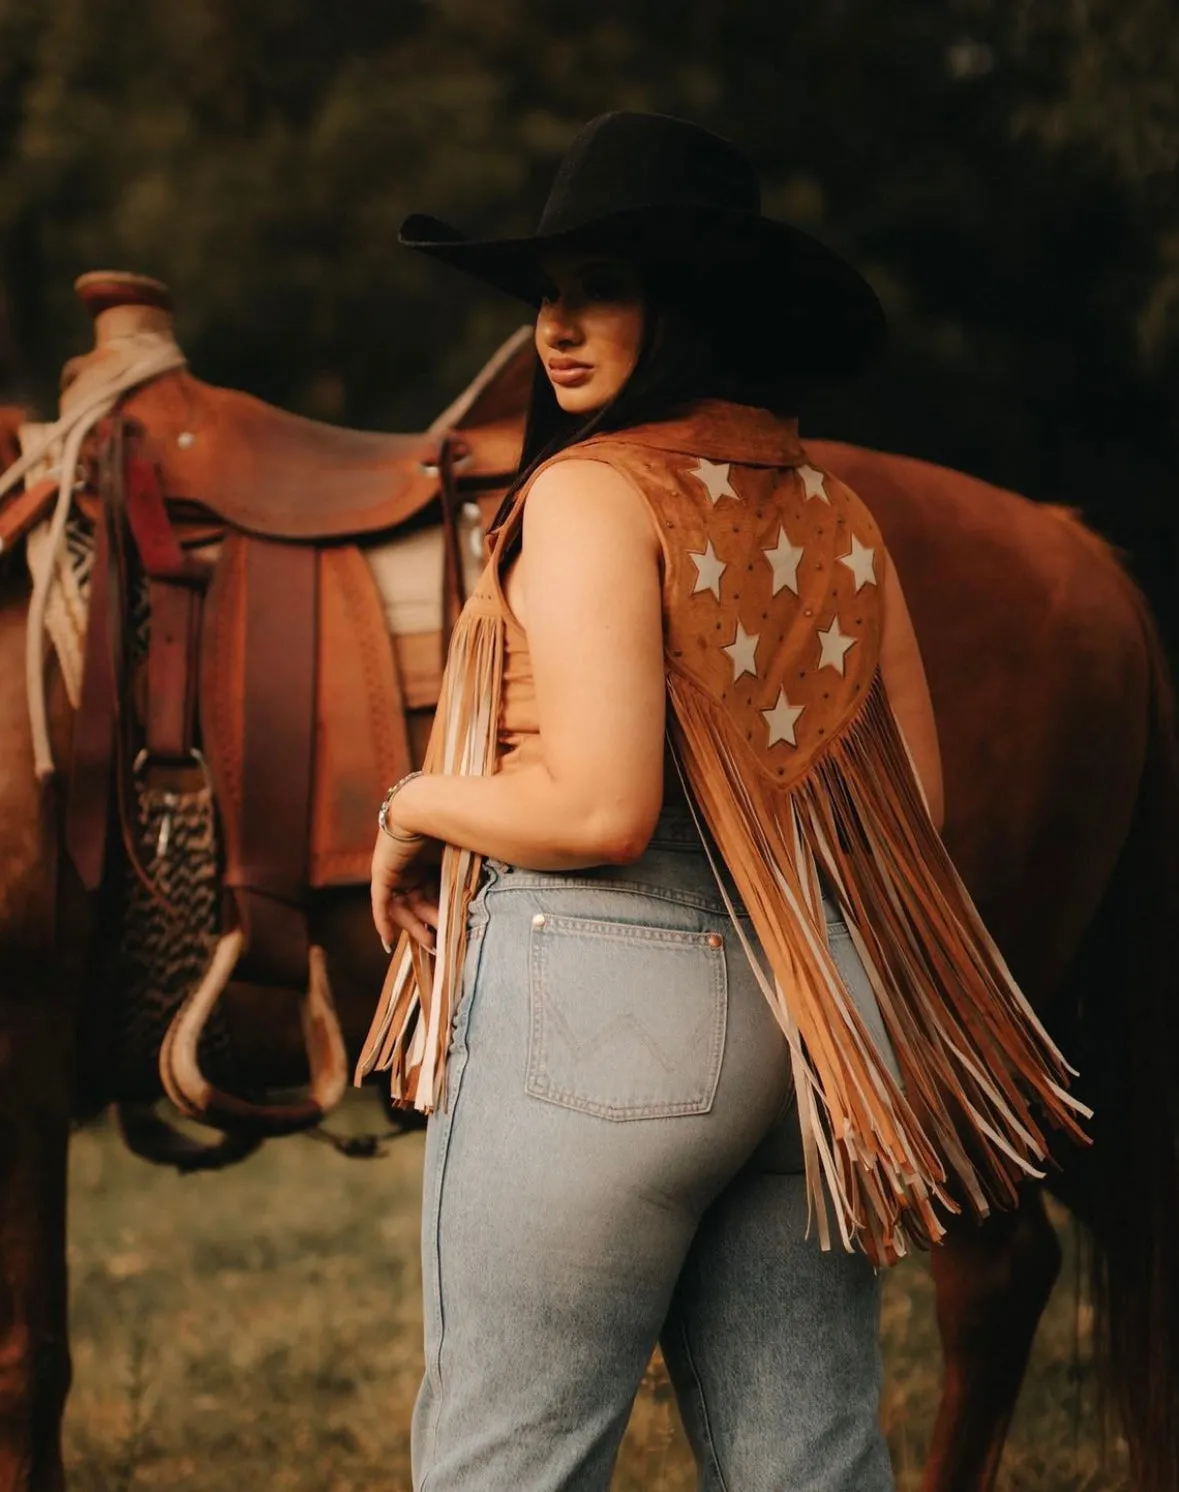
583,266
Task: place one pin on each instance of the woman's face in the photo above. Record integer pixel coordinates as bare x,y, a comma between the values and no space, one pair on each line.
589,328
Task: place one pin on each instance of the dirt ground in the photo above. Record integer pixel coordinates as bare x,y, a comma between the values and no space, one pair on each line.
260,1329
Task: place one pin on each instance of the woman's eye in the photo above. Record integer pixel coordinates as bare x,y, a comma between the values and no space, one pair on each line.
604,287
548,293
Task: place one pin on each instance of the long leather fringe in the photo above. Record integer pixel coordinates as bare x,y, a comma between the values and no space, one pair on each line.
973,1057
411,1028
971,1052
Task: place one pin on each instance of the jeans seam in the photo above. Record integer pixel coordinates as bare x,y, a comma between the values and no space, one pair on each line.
706,1436
433,1366
460,1017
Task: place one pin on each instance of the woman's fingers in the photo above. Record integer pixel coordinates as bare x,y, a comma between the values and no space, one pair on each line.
405,916
381,891
383,923
398,907
423,904
400,916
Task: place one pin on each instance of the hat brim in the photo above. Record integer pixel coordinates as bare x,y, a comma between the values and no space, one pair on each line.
800,286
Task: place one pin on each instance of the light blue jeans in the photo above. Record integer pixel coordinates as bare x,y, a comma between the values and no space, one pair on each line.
618,1165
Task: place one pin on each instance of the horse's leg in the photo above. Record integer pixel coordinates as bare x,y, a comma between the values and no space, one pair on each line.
34,1131
992,1283
36,1070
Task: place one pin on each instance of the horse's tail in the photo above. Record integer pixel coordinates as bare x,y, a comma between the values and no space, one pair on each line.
1133,1004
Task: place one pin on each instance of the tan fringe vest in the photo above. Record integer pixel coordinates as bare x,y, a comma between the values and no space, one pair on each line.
785,738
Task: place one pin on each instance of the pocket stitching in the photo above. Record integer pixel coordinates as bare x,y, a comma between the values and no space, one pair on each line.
538,1085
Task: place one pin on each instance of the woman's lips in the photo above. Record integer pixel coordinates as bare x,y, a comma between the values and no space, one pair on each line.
568,373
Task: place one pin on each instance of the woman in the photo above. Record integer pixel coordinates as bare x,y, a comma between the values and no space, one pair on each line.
690,994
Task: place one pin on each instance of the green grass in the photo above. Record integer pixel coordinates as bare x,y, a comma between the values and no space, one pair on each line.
261,1328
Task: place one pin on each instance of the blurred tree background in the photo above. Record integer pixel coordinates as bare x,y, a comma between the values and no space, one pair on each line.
1005,171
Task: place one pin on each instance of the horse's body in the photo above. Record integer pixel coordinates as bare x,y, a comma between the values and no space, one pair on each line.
1051,707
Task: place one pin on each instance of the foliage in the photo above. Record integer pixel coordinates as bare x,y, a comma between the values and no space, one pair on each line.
1004,171
1114,92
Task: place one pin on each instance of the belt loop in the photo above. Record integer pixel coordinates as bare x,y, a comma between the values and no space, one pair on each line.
476,911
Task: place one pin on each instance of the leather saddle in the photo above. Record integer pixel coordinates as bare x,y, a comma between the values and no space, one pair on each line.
279,476
271,662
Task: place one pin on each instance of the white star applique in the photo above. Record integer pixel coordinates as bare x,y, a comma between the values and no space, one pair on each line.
784,558
861,562
709,570
812,481
834,645
782,719
715,478
743,650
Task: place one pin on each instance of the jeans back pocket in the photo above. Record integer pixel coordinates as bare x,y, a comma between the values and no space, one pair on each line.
625,1021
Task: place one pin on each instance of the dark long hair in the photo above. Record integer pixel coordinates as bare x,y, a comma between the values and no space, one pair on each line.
698,343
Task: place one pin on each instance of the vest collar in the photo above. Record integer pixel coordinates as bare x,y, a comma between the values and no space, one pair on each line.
718,430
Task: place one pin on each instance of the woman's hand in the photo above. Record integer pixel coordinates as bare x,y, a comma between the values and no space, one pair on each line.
404,888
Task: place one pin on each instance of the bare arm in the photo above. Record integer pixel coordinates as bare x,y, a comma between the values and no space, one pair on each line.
908,693
592,610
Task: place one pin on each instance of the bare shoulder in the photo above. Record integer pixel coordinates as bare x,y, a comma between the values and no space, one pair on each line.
582,495
583,477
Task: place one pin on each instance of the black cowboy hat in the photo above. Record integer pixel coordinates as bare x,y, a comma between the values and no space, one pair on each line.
649,186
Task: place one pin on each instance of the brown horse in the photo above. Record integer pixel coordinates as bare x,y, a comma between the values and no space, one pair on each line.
1053,708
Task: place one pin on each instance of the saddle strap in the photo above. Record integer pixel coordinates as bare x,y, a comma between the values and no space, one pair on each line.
172,671
88,801
453,589
270,878
176,587
104,736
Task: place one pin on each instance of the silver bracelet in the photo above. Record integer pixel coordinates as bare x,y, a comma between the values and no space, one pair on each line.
383,811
